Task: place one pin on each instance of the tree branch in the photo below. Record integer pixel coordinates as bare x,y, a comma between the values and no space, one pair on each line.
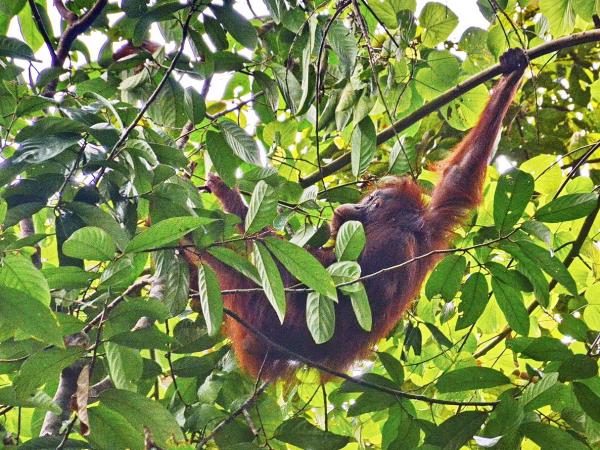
296,356
243,407
460,89
39,23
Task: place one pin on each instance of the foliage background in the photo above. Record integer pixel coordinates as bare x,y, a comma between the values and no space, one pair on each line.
93,296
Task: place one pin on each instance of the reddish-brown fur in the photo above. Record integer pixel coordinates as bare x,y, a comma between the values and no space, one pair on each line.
399,226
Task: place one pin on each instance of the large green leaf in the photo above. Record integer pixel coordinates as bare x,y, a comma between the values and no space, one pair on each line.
29,315
454,432
510,302
512,194
19,273
301,433
142,412
473,300
270,279
236,262
303,266
210,298
445,278
438,22
469,378
262,209
242,145
550,438
363,146
14,48
90,243
320,317
350,241
567,207
236,24
165,232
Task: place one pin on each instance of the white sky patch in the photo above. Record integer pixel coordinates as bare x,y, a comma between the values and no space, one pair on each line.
503,164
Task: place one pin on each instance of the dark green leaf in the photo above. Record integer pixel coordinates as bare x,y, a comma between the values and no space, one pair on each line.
578,367
445,278
303,266
510,302
363,146
142,412
262,208
90,243
470,378
194,106
512,194
588,400
567,207
242,145
29,315
453,433
270,279
350,241
165,232
550,438
236,25
210,298
473,300
14,48
299,432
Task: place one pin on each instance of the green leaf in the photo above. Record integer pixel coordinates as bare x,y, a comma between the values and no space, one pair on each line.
236,262
560,15
350,241
361,307
473,300
41,367
453,433
345,272
30,316
172,280
567,207
469,378
18,272
535,391
363,146
270,279
269,89
142,412
320,317
193,105
11,7
242,145
124,365
512,194
510,302
165,232
14,48
41,148
343,43
547,349
446,277
236,24
109,429
224,160
438,22
96,217
403,158
550,438
578,367
392,366
210,298
262,209
303,266
384,10
90,243
549,264
588,400
300,433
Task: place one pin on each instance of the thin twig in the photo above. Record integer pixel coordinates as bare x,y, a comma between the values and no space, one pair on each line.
243,407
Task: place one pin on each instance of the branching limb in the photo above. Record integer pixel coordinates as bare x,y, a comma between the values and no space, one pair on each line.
452,94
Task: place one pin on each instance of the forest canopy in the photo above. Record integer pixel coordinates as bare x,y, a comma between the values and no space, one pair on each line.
114,112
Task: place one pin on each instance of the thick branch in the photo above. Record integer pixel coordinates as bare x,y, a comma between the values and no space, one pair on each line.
448,96
309,362
583,234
